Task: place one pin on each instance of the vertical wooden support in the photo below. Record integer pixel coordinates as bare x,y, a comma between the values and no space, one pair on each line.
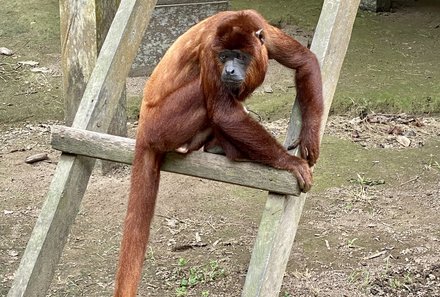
105,12
78,51
84,26
95,111
281,215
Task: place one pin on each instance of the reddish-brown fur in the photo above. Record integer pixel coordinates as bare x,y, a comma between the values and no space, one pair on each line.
185,96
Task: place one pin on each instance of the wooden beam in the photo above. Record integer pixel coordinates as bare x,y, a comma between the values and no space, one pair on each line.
198,164
95,112
84,23
105,13
281,215
77,26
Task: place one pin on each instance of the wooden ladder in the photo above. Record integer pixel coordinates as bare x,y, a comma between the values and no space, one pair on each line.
85,141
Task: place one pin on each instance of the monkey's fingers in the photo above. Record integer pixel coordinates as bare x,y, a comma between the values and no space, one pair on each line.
312,152
309,148
304,176
304,181
306,154
293,145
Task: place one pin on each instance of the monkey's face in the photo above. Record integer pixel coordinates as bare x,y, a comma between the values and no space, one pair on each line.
243,61
242,57
235,64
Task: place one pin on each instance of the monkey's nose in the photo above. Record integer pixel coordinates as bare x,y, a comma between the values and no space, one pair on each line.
230,70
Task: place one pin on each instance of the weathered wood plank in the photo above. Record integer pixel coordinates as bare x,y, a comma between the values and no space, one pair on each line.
281,215
95,112
84,23
198,164
105,12
77,27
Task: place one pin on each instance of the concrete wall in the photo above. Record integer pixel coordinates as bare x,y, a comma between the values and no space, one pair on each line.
170,19
376,5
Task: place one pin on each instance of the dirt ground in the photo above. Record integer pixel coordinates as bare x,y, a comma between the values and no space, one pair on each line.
370,226
370,230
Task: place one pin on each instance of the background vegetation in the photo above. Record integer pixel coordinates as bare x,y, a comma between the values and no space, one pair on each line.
391,66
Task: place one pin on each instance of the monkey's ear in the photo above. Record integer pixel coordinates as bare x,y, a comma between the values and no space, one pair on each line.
260,35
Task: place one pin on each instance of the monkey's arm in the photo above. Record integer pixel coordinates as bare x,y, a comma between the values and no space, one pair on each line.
290,53
232,125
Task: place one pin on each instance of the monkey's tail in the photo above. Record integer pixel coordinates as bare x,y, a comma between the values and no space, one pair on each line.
143,192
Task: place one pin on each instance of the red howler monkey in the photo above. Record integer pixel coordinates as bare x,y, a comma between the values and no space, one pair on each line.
194,97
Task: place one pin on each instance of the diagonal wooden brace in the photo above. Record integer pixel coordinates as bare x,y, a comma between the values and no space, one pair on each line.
95,112
281,215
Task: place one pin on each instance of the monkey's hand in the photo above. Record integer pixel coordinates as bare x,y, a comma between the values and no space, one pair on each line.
308,146
300,168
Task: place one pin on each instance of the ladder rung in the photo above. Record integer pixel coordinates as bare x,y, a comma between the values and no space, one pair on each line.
198,164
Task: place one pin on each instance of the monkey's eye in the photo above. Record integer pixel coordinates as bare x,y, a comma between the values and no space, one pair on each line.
241,57
222,58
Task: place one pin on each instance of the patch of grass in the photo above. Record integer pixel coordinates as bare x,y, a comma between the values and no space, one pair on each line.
151,255
407,278
395,283
350,243
397,165
28,96
271,107
390,64
388,67
191,276
354,276
365,181
30,28
303,13
432,163
361,277
367,280
133,107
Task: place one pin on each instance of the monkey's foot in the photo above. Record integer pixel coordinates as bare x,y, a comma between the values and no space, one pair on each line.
216,149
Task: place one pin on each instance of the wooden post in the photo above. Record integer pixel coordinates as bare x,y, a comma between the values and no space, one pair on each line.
105,12
78,51
84,26
282,213
95,111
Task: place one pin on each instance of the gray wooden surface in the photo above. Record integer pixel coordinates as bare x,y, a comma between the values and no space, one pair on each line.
95,112
282,213
199,164
78,27
105,12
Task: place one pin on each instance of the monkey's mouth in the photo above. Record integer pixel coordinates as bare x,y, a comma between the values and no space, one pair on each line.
232,84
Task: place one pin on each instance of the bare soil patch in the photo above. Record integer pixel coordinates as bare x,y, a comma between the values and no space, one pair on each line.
356,238
369,227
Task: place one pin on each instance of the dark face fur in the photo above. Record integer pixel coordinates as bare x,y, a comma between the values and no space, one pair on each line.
235,64
241,55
